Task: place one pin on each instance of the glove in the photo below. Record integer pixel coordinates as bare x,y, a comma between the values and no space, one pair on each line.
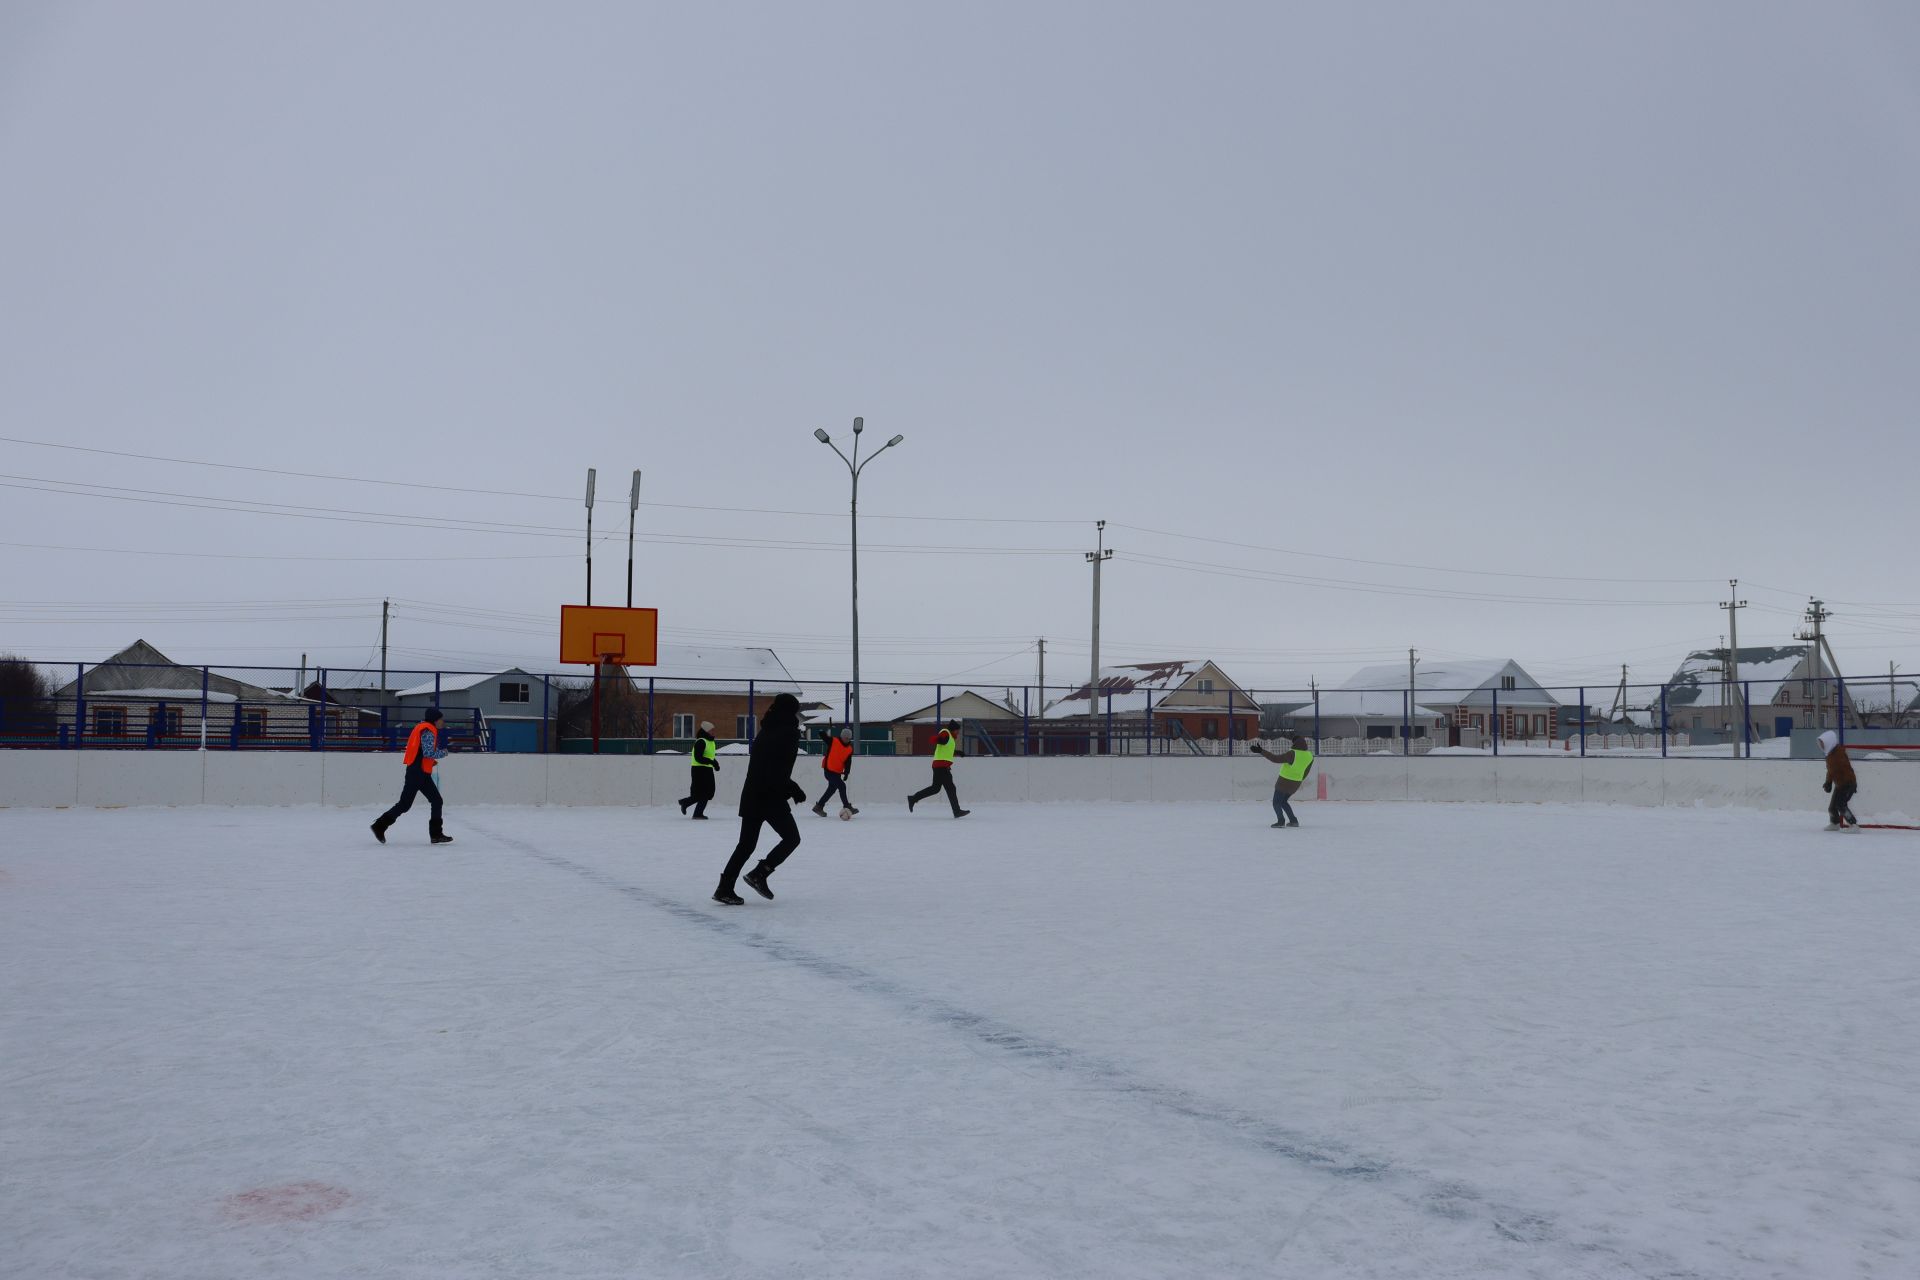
1827,785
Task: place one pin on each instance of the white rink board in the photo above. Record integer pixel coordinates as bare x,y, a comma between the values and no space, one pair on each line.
1404,1042
110,779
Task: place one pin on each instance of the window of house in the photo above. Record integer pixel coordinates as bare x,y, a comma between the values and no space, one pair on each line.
1206,686
683,725
742,727
109,722
164,721
516,691
1539,726
253,724
1210,728
1506,682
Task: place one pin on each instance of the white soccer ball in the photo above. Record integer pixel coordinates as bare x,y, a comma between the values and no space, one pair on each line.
846,815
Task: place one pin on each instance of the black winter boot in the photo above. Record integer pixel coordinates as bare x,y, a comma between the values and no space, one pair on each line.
757,881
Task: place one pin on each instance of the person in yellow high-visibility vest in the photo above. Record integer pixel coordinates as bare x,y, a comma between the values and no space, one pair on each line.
706,767
946,745
1293,771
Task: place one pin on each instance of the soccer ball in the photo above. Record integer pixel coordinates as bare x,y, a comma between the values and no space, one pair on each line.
846,815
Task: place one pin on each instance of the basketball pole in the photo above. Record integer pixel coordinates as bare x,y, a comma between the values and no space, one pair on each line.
633,509
589,535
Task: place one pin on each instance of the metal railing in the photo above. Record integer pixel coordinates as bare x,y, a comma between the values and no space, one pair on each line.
169,707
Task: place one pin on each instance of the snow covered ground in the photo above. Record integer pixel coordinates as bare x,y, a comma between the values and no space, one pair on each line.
1052,1040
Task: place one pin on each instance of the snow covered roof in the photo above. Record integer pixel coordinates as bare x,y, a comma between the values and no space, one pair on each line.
719,669
1368,704
1763,669
1454,682
140,668
457,684
683,668
1134,682
891,706
167,695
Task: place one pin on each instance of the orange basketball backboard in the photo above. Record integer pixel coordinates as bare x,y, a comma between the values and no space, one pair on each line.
596,634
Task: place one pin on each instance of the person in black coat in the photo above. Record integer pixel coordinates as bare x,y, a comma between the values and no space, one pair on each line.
764,798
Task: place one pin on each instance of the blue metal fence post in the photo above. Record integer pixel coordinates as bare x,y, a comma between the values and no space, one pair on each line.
436,686
1229,721
752,719
1406,722
1840,707
1663,722
1583,721
1746,703
313,728
233,730
649,715
205,677
1494,719
1106,742
1026,723
939,708
80,705
1316,720
546,714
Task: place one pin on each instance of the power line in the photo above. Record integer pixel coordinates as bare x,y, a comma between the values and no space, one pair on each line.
1421,593
1399,564
510,493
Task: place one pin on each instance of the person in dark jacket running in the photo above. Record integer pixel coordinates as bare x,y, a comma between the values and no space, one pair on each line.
426,747
706,767
835,769
764,796
945,747
1293,772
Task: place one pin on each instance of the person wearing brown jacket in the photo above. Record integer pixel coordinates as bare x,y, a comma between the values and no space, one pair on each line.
1841,784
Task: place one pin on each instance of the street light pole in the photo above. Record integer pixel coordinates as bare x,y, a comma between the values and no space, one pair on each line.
854,467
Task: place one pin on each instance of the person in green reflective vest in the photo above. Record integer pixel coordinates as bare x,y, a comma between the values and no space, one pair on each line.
1293,772
946,745
706,765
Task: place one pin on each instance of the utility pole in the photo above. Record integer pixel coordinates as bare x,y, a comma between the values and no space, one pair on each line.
1893,700
300,690
633,508
1817,614
1043,674
589,535
1619,707
1733,604
386,607
1097,556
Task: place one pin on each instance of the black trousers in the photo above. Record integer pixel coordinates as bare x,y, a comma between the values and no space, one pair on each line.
942,781
702,791
782,824
419,783
836,785
1838,808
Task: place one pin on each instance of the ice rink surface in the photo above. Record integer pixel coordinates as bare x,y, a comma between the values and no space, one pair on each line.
1061,1040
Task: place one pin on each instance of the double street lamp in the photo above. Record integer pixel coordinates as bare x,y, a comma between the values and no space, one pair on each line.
854,467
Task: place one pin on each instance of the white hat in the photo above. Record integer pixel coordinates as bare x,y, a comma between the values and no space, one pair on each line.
1828,741
846,735
706,726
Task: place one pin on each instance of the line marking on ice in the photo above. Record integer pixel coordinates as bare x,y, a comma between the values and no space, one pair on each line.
1443,1197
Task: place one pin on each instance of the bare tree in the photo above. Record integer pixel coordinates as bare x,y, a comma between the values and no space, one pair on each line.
26,699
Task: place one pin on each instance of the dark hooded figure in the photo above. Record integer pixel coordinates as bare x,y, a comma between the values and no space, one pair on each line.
764,797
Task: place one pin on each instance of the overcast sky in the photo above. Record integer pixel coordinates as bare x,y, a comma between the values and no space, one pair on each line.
1493,329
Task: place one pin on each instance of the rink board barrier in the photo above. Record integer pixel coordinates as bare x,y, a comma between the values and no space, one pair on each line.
48,779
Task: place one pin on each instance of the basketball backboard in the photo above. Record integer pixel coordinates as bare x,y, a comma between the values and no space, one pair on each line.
599,634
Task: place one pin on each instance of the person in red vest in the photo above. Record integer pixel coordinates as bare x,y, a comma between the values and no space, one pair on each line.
836,767
426,747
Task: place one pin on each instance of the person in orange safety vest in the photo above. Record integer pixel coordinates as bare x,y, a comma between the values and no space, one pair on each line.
426,747
836,767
